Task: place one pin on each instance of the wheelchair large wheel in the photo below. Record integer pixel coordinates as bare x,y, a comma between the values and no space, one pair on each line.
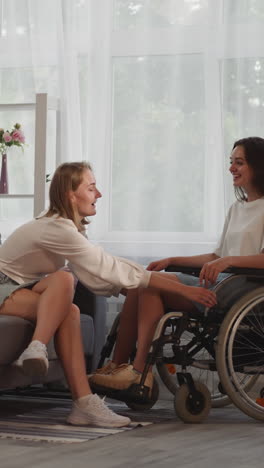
192,408
240,353
201,371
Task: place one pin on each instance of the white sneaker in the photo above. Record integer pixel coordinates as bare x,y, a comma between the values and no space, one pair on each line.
92,411
34,360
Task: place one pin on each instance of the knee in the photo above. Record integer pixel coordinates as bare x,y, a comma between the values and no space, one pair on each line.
75,313
64,280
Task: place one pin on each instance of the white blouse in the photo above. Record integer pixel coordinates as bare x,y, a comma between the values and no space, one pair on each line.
44,245
243,232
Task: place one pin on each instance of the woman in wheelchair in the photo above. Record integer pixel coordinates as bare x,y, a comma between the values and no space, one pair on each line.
241,245
33,286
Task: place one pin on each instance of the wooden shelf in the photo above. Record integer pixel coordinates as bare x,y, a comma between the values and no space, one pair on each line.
16,195
41,106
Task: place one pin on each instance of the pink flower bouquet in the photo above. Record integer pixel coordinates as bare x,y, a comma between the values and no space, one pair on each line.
13,137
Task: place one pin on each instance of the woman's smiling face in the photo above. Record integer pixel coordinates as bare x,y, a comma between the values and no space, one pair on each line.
242,173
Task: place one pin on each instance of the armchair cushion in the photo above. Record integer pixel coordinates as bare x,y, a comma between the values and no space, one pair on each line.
16,333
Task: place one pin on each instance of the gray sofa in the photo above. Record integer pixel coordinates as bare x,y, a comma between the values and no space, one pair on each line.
15,334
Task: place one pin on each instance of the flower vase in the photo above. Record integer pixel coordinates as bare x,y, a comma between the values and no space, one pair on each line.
4,177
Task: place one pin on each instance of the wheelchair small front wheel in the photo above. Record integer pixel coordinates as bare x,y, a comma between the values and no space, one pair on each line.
192,407
146,404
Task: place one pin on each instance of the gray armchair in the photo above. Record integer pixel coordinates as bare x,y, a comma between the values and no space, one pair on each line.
16,333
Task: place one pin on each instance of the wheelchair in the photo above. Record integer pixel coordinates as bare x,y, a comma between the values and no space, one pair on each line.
218,355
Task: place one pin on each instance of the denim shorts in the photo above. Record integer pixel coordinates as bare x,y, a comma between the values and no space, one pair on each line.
8,286
190,280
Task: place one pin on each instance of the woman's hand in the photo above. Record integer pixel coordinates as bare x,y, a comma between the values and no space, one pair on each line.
165,282
199,294
211,270
159,265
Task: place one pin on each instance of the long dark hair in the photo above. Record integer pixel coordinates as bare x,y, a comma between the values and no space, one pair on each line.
254,153
67,176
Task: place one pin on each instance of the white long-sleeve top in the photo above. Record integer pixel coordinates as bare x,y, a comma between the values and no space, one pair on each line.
44,245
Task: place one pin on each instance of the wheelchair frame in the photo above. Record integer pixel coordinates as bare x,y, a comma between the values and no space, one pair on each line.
210,332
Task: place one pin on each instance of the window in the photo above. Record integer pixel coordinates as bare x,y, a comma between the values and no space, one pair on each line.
162,170
153,93
158,144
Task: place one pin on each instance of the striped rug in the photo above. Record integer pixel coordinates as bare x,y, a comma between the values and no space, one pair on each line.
43,420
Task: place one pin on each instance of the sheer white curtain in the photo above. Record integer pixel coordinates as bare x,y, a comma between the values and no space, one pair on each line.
38,54
242,64
153,93
186,82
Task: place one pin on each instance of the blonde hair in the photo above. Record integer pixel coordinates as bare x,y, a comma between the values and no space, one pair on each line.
67,177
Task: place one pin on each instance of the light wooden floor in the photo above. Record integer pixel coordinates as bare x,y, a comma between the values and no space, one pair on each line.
228,439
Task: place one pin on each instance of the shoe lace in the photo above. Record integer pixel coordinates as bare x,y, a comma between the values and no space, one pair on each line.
120,368
106,368
38,346
99,403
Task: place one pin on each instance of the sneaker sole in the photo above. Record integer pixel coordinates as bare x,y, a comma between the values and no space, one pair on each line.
34,367
125,395
75,421
116,387
112,386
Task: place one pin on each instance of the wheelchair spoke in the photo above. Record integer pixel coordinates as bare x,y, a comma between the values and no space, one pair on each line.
245,350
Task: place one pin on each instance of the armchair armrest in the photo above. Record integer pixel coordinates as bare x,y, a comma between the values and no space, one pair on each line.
96,307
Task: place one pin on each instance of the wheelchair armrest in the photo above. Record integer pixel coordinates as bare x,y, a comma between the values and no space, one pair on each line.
189,270
195,271
245,271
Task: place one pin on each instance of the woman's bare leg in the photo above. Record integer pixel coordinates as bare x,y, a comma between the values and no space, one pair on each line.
127,330
142,310
55,302
68,345
151,306
49,304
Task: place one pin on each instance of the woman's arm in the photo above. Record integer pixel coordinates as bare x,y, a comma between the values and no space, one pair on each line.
247,261
211,269
102,273
194,261
169,283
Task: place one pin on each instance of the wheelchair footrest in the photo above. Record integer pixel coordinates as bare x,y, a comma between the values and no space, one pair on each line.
135,393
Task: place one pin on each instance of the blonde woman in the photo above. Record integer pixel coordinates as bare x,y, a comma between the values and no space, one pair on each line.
33,286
